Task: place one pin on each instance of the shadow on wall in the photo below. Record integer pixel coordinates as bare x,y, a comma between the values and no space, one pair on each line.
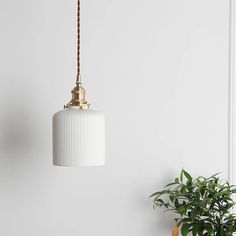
18,123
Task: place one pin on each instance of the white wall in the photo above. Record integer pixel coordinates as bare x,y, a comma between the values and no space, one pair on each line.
159,71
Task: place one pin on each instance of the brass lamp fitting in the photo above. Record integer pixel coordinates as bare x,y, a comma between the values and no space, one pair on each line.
78,97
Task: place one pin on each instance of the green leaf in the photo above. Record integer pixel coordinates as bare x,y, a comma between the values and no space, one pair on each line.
187,175
170,184
184,229
195,229
155,194
177,180
181,176
171,197
213,176
209,229
159,201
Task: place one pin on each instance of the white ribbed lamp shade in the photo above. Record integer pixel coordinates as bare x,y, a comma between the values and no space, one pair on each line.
78,138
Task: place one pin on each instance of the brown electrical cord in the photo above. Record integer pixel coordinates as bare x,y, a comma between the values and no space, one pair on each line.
78,44
78,92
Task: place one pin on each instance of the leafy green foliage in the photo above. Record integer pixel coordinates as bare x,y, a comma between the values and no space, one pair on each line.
203,204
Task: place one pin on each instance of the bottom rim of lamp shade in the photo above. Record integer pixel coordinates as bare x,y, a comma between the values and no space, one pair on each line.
78,138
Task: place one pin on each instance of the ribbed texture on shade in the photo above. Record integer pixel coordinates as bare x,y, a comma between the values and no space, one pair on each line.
78,138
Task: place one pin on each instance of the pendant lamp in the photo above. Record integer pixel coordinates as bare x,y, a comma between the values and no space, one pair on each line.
78,132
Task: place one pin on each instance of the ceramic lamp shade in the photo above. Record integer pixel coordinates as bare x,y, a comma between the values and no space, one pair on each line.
78,138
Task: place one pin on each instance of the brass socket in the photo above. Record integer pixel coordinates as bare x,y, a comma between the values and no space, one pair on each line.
78,98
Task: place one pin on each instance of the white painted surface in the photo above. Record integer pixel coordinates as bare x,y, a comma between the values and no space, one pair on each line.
232,90
158,70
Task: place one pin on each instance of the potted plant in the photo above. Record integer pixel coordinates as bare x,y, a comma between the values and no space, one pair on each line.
203,205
